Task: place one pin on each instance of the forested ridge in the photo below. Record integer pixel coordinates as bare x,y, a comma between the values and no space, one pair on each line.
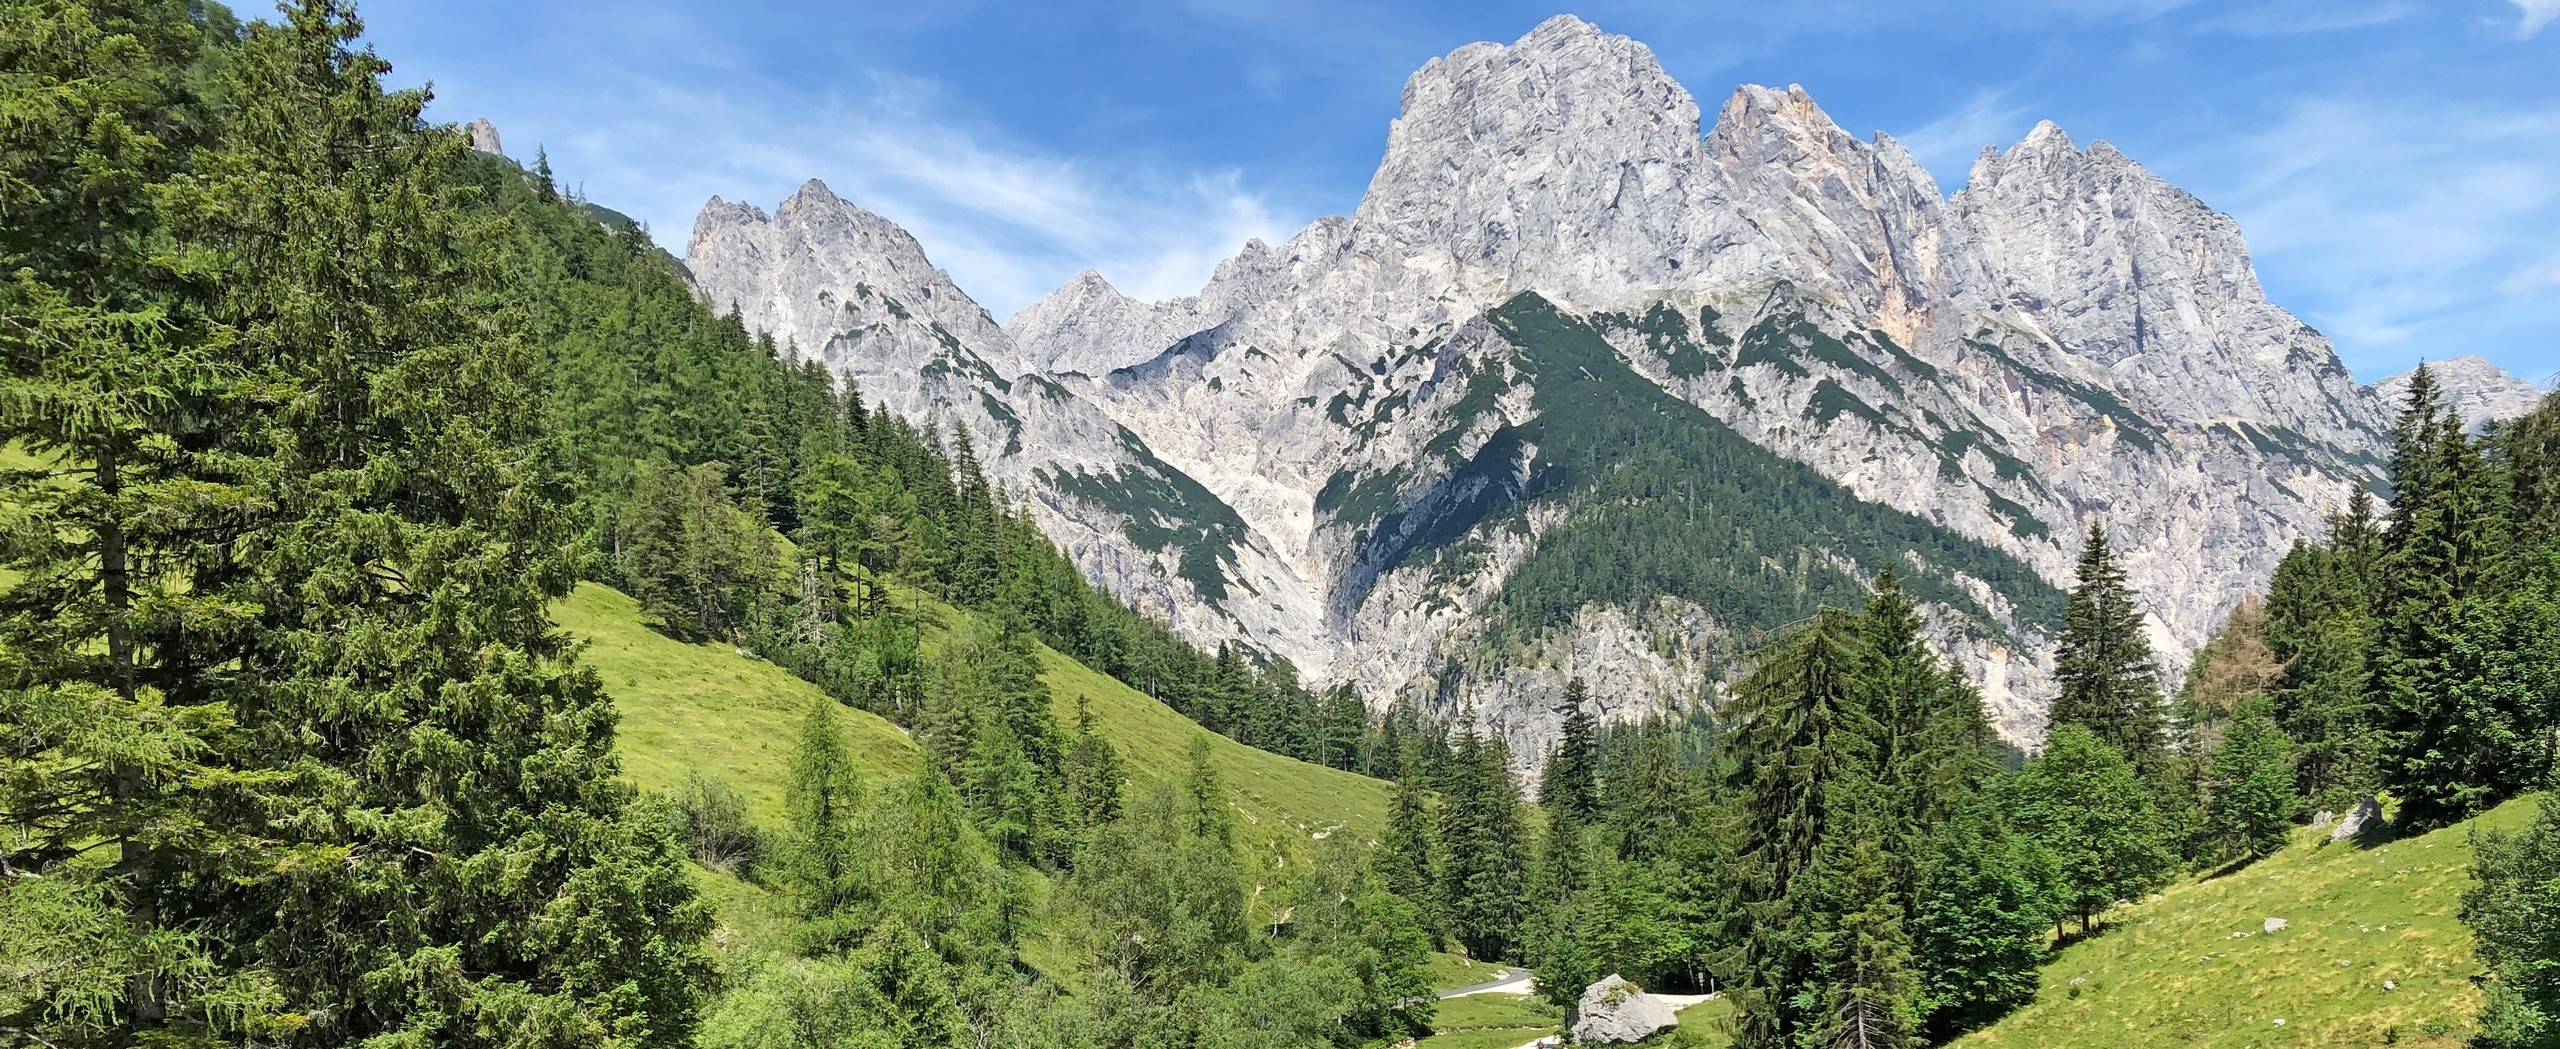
312,413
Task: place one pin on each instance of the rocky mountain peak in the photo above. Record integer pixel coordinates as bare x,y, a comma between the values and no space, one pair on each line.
2476,387
1086,326
2119,269
483,137
819,269
1534,159
1862,220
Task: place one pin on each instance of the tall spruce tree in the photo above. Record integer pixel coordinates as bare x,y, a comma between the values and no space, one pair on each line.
1483,862
435,809
1809,745
2103,662
1570,786
2458,726
1408,863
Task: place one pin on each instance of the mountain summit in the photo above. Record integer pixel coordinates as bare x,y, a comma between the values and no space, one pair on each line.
1584,388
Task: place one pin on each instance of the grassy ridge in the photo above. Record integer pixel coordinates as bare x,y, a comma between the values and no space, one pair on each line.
2195,966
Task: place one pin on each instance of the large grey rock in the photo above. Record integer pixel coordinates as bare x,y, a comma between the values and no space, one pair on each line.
1615,1012
483,136
2071,339
2474,386
2366,816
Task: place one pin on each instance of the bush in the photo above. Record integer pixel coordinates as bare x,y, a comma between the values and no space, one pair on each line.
717,830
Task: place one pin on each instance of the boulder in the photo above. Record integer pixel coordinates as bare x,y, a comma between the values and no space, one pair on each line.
2323,820
1615,1012
2366,816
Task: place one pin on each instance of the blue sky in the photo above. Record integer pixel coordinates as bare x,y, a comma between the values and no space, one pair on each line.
2395,163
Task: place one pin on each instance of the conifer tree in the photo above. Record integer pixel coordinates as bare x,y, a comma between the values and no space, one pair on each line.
2320,628
823,803
1569,786
113,509
1810,742
1867,993
1652,793
1408,863
2454,738
1482,861
2109,678
435,803
1094,774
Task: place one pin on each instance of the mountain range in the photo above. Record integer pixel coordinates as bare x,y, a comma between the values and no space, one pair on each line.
1589,386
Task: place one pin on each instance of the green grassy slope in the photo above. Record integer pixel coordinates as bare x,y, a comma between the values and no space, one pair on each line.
2194,966
708,707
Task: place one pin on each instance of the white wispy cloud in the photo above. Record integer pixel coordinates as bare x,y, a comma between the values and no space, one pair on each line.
1945,145
2311,16
2393,225
2535,15
1009,221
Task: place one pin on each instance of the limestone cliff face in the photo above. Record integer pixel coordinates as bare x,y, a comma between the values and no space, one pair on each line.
2067,340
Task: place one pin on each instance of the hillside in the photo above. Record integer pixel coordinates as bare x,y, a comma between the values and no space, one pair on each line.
709,707
2371,954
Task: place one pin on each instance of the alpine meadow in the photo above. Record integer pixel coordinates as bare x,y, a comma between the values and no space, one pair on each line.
1648,575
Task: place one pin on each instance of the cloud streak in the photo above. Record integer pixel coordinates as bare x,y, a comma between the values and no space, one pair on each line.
2398,227
1948,144
1008,221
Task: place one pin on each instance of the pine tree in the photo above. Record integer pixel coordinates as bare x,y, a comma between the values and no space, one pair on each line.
1866,992
113,510
1569,787
1482,862
434,799
1652,793
1810,745
2320,627
2452,741
2109,678
1094,774
1408,863
823,803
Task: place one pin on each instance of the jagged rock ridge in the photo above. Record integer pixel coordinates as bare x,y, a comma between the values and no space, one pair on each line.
2067,339
2481,391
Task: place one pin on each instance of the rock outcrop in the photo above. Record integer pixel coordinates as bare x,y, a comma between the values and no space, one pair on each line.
2066,340
483,136
1615,1012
